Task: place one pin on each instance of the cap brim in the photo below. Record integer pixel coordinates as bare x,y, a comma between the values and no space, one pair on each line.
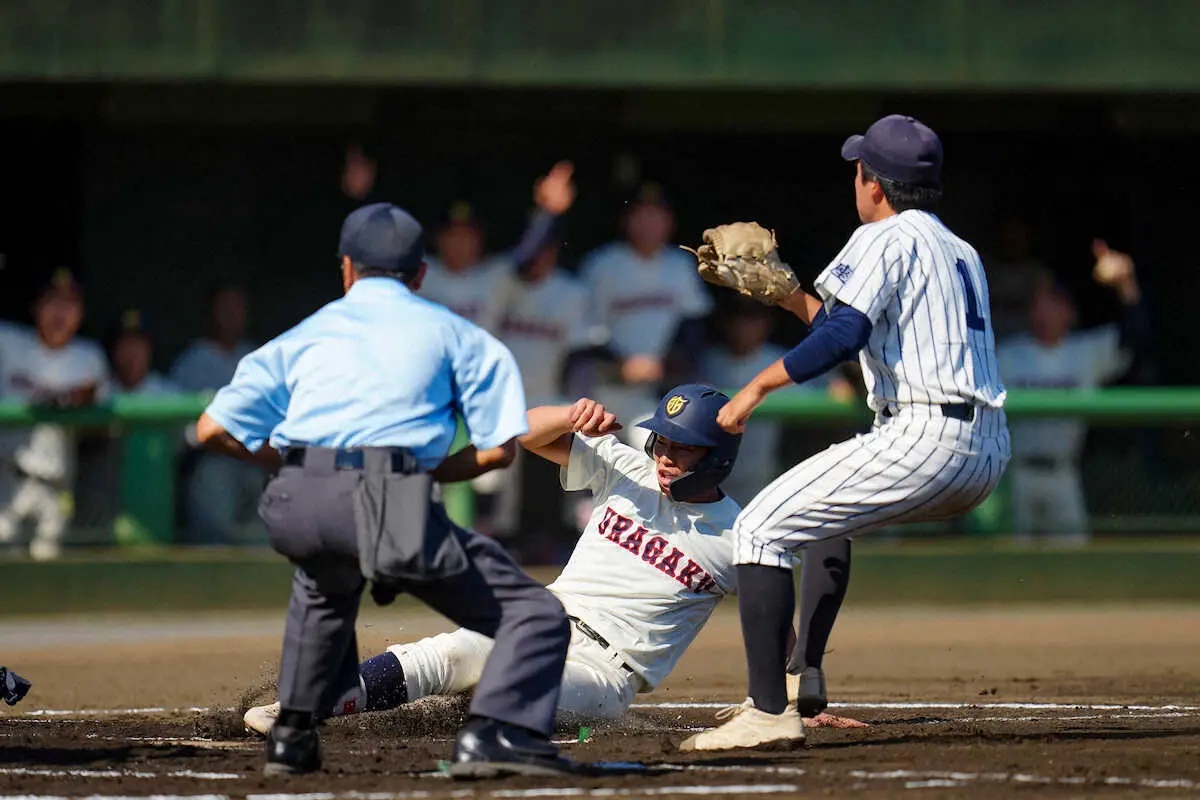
851,150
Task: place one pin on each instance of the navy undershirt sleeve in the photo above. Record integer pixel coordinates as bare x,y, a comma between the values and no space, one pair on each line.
836,337
537,234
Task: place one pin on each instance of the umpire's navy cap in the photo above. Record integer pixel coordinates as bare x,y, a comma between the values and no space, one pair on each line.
899,148
382,236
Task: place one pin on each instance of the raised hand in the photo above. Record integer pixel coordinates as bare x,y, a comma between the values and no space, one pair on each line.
555,193
589,418
1115,270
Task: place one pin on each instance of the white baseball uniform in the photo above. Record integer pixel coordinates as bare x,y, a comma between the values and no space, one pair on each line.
758,456
541,323
645,576
1047,490
640,303
39,466
931,345
477,293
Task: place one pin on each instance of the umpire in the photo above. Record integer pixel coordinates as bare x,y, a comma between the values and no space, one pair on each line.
356,406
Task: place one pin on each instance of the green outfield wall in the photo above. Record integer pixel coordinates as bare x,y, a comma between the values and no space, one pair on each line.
149,432
1063,45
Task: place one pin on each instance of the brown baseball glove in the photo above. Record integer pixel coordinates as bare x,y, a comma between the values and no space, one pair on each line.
744,257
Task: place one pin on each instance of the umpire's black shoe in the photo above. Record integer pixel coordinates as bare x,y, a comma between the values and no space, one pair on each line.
487,748
292,751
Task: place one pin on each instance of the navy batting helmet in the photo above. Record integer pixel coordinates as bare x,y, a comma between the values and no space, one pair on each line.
688,415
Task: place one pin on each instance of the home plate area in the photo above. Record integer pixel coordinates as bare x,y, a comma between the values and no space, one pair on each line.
986,748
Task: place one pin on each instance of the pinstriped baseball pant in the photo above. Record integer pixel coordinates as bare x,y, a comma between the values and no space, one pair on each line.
917,465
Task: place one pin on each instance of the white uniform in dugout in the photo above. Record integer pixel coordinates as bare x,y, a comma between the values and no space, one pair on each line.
543,322
1047,489
924,291
645,576
474,293
640,301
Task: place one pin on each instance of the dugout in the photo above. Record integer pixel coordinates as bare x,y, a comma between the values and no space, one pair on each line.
159,147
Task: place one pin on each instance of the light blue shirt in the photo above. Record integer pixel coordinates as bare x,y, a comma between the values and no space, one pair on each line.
380,367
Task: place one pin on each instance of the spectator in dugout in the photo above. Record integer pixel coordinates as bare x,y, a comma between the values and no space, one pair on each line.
545,322
220,495
474,285
46,365
131,355
647,296
1047,490
520,297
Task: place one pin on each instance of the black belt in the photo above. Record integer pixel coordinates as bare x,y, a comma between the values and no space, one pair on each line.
1041,462
400,460
591,633
961,411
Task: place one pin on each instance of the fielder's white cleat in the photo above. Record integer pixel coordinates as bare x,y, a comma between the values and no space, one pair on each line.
749,727
260,718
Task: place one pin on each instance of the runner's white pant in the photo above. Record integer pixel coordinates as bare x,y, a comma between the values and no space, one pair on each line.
915,465
594,683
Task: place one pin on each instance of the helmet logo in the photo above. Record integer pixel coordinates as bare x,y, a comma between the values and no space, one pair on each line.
676,405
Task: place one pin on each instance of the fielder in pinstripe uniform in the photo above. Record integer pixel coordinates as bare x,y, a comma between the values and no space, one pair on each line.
910,299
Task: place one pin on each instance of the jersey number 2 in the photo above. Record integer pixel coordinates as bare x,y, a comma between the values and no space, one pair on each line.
974,318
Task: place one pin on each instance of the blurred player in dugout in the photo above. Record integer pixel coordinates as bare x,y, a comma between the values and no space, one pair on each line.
1047,491
538,311
130,348
744,350
219,494
646,296
46,365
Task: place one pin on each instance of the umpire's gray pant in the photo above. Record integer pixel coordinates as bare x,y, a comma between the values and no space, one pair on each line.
309,514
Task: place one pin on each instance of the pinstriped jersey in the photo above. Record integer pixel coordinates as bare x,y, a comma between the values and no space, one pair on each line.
924,290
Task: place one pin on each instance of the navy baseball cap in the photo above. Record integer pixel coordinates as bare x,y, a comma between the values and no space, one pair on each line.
899,148
382,236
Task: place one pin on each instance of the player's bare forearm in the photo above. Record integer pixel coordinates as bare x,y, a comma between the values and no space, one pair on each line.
549,434
213,437
803,305
471,462
551,428
732,417
774,377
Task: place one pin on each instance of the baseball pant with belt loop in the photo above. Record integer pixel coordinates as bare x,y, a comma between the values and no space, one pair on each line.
314,514
917,463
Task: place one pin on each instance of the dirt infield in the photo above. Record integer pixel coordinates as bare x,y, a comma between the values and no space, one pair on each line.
1055,702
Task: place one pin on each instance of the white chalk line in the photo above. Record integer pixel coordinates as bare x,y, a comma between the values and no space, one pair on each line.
46,772
921,779
113,712
882,705
890,706
565,791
